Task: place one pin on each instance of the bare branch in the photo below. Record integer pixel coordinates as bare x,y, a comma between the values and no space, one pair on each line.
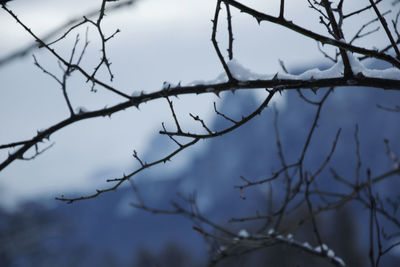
385,26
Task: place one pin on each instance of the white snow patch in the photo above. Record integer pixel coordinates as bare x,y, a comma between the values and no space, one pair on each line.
244,74
340,261
81,110
243,233
167,85
222,78
357,67
136,93
241,73
320,248
307,245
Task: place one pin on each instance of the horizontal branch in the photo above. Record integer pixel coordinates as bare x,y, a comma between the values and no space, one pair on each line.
280,84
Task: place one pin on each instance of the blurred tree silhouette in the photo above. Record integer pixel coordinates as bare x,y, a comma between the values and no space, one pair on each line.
32,237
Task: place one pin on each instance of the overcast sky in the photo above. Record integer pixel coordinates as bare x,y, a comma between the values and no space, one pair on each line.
159,41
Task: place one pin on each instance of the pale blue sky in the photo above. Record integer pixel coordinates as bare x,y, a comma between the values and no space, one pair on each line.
159,41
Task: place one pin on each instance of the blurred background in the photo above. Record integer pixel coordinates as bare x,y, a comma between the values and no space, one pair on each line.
166,41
